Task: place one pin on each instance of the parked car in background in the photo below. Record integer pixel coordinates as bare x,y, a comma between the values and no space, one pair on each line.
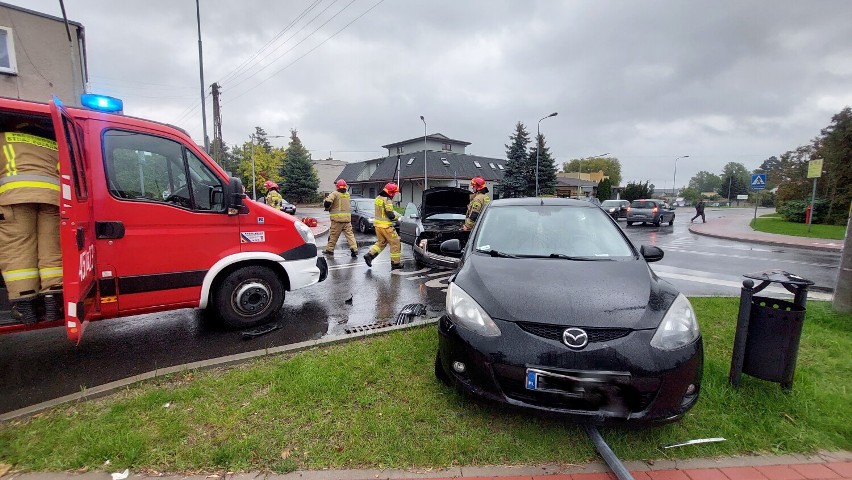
649,210
616,208
440,217
531,320
288,207
364,214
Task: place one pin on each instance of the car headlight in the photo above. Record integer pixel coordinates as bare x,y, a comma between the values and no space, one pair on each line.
370,220
678,328
305,232
464,310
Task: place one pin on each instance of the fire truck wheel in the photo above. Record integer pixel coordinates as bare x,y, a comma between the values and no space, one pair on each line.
249,296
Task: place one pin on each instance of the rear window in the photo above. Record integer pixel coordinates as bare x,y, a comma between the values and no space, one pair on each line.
643,204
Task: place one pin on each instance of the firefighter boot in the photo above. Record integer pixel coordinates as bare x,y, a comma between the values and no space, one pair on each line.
326,252
396,266
368,258
53,307
354,253
24,310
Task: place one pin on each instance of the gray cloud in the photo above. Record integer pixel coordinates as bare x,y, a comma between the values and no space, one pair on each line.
647,81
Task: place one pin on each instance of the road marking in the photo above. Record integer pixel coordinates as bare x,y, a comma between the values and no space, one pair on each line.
749,257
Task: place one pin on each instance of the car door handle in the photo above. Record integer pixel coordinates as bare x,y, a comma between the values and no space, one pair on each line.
109,230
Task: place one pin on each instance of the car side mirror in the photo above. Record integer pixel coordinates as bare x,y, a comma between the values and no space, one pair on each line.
234,195
650,253
452,246
414,216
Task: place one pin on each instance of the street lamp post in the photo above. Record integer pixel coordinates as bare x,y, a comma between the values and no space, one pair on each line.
425,164
674,178
538,148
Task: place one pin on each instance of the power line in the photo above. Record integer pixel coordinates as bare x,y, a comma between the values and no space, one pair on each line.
256,72
311,50
276,37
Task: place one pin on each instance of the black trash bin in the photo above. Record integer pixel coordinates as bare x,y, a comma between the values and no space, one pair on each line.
766,344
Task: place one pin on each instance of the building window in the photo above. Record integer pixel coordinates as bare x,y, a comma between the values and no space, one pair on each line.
372,192
500,166
7,51
400,149
410,161
445,161
492,166
447,147
478,165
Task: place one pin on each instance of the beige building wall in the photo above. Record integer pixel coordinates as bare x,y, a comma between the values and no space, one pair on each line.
590,177
47,63
328,172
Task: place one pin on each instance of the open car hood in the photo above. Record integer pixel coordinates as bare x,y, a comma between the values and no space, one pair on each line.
444,200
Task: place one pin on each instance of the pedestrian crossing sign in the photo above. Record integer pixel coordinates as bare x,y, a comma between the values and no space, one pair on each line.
758,181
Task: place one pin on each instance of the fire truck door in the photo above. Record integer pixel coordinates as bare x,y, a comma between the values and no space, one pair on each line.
76,230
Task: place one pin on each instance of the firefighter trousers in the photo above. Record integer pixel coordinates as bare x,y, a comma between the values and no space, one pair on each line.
385,236
334,234
30,257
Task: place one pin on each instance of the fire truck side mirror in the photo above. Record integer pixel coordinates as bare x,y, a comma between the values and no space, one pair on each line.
234,195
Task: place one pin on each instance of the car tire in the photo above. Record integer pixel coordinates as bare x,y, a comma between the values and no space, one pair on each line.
362,226
440,374
629,223
657,222
248,296
671,222
418,258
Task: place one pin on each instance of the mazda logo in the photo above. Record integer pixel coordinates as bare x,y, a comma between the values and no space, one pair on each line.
575,338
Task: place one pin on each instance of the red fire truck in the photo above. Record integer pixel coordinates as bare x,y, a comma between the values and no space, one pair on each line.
150,223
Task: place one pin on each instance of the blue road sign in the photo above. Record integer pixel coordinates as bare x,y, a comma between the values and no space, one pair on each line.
758,181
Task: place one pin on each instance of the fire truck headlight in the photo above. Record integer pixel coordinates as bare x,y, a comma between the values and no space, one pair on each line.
305,232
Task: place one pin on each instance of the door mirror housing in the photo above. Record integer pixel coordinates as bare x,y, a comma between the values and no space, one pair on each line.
234,195
451,246
651,253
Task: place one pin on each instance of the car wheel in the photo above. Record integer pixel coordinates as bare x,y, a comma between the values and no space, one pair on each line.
362,226
629,223
671,222
248,296
440,374
657,222
418,258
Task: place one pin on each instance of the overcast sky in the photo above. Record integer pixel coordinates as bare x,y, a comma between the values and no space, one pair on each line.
646,81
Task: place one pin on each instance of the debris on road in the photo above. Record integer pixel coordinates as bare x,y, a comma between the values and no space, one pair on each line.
408,312
121,475
696,441
261,330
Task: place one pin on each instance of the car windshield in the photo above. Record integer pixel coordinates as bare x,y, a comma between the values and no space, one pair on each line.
643,204
551,231
611,203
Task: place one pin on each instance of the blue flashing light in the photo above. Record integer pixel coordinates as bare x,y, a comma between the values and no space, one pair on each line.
101,103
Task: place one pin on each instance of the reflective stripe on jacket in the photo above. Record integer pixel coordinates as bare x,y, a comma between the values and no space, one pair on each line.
29,169
341,207
274,199
383,205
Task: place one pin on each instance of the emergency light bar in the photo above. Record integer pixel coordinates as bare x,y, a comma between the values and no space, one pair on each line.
101,103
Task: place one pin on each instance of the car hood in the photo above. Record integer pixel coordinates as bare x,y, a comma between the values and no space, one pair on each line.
444,200
618,294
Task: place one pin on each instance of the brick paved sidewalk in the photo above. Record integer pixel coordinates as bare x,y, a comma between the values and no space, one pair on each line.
736,225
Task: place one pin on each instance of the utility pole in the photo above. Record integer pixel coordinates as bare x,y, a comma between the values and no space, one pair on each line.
201,73
217,127
843,288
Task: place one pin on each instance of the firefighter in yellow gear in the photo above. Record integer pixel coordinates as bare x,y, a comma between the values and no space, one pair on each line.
478,201
273,197
385,232
30,256
339,207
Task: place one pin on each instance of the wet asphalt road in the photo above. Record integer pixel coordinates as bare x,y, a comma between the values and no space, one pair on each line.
41,365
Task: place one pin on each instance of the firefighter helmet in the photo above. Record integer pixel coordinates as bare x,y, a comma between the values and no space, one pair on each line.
478,183
391,189
270,185
341,183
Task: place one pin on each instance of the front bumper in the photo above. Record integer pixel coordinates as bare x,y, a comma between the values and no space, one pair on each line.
305,272
621,380
434,259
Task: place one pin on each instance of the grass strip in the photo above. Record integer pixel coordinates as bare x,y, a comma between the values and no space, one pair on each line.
376,404
775,224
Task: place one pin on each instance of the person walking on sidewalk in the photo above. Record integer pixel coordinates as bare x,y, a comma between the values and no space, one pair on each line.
338,205
699,212
385,232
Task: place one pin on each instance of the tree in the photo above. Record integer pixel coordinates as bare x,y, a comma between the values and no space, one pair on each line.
736,180
260,138
690,195
633,191
604,189
835,148
705,181
546,170
514,182
298,178
772,168
609,165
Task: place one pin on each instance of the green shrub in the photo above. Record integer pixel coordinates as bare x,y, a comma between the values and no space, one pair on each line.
794,210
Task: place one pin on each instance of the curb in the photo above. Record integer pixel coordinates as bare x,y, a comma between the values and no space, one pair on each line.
538,471
107,388
768,242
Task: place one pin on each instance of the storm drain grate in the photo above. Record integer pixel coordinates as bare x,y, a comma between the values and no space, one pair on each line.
368,327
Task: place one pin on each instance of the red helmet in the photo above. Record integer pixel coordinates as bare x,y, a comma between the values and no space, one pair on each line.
392,189
341,183
478,183
270,185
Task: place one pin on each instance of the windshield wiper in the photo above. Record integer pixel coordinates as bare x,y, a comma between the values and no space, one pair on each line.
495,253
581,259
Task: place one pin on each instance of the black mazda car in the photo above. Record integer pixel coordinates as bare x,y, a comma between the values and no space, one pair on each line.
531,322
